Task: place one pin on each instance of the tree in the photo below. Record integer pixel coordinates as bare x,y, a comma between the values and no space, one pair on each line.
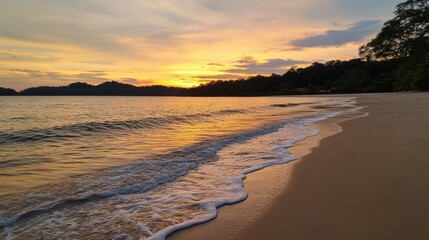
413,74
407,34
353,81
7,92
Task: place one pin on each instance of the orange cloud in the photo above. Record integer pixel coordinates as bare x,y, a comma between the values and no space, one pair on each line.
176,43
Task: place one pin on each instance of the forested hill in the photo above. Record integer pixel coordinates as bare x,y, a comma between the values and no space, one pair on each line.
353,76
104,89
397,59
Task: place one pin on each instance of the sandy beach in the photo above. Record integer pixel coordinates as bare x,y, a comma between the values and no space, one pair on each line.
360,178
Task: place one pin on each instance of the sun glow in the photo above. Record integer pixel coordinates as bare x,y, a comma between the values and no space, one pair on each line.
174,44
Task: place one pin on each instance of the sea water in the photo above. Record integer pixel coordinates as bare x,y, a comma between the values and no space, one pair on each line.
139,167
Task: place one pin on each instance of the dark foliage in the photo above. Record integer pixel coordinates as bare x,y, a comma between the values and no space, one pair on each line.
104,89
7,92
354,76
413,74
401,51
407,34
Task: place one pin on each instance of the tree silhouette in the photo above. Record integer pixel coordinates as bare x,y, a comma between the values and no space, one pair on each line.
7,92
401,50
407,34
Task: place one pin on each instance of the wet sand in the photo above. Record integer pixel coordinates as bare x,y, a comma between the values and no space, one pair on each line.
368,181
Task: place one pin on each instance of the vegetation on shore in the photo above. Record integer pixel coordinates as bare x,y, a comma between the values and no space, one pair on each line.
404,37
397,59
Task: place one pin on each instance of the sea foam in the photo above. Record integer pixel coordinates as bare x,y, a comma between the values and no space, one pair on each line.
151,198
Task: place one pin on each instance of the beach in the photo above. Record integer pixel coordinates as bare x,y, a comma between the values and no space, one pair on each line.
362,177
146,173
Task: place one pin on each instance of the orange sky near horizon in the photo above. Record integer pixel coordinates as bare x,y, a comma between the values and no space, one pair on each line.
174,43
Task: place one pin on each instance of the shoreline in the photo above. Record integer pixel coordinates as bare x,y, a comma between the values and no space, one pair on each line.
262,186
349,195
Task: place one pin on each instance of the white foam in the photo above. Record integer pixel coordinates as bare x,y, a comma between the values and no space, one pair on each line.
236,192
177,191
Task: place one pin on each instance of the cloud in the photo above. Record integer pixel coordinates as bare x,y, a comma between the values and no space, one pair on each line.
216,64
19,55
249,65
218,77
282,49
105,26
247,60
48,76
24,78
149,37
356,33
130,80
135,81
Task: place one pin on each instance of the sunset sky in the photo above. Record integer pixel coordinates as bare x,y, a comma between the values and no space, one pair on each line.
176,43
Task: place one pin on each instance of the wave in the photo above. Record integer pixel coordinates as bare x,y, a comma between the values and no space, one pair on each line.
66,132
137,177
91,128
285,105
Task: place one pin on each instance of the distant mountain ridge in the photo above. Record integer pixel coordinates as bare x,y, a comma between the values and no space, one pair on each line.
397,59
105,89
353,76
7,92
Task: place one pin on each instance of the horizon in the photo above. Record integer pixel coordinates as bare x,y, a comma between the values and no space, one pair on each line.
54,43
202,119
158,85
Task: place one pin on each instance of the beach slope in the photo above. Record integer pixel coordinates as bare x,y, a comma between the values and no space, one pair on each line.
371,181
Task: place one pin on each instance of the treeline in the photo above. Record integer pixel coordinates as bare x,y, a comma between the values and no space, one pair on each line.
104,89
406,36
7,92
397,59
353,76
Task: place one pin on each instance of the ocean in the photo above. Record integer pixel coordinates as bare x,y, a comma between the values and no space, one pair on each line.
139,167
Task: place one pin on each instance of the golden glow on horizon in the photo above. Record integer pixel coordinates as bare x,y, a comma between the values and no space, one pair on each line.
172,44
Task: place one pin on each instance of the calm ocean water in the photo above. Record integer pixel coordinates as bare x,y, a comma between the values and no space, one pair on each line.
138,167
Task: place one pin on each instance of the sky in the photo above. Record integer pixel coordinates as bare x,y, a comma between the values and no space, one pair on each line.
180,43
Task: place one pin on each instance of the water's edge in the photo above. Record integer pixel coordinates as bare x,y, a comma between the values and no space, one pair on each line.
203,219
354,113
136,200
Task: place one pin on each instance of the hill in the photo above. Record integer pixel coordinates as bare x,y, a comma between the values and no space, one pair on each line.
353,76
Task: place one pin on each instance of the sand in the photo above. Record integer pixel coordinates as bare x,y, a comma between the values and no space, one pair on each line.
364,178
